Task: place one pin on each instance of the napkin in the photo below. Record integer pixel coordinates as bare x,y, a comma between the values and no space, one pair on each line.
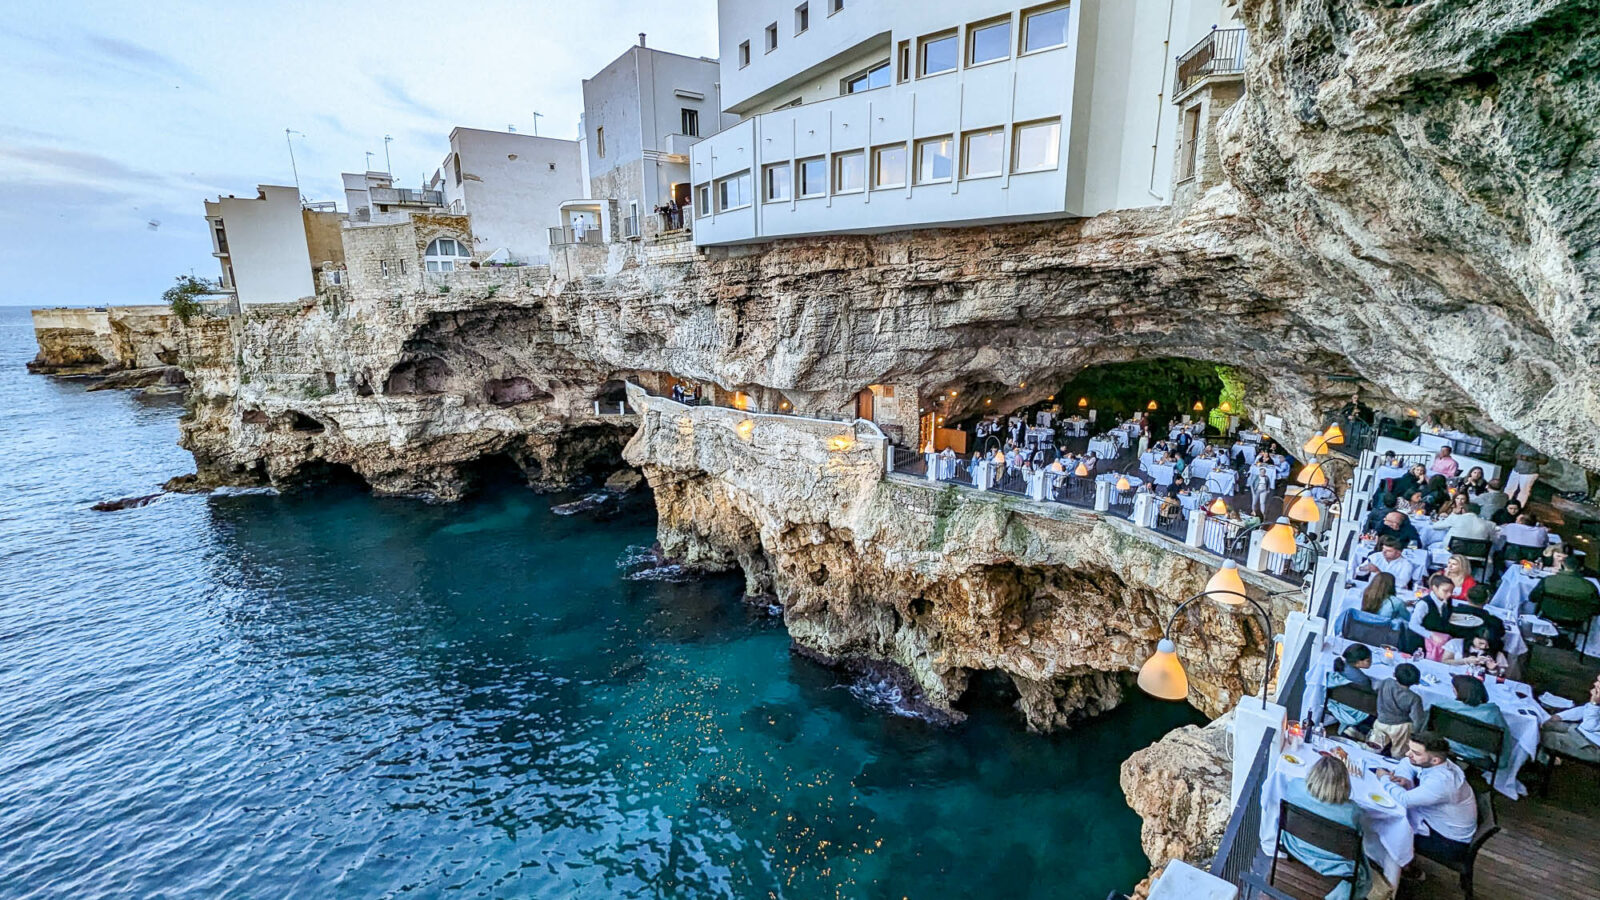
1554,702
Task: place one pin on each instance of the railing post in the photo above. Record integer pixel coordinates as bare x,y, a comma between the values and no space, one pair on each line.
1197,528
933,465
980,475
1102,496
1142,510
1253,722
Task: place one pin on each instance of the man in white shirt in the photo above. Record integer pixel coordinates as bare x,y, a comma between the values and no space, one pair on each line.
1576,732
1389,558
1435,794
1524,533
1465,525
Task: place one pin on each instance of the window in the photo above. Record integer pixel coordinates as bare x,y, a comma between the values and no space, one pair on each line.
1044,28
744,54
937,54
835,6
772,37
383,267
702,200
849,172
402,266
988,42
442,254
889,167
936,159
1188,151
802,18
455,159
903,55
790,105
872,79
733,192
600,142
813,177
983,153
777,183
1036,146
689,120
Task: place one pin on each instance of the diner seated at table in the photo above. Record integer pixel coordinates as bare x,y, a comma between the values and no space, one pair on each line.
1459,570
1436,795
1326,792
1566,596
1492,500
1473,484
1575,732
1400,710
1397,526
1431,615
1435,494
1411,482
1382,504
1350,668
1464,524
1525,532
1485,649
1389,558
1444,464
1506,514
1380,605
1472,702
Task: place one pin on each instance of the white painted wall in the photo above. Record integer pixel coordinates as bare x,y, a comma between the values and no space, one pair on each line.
1109,86
266,245
512,185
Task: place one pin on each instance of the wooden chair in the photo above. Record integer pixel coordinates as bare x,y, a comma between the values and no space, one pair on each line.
1488,827
1371,635
1468,732
1354,696
1324,834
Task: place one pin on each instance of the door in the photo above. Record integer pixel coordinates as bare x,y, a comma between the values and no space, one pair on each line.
864,405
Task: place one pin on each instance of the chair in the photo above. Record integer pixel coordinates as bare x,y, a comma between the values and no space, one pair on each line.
1468,732
1515,553
1476,552
1354,696
1324,834
1488,827
1569,613
1371,635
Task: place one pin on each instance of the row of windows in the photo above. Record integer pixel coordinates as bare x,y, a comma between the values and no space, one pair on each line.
802,24
688,124
1035,147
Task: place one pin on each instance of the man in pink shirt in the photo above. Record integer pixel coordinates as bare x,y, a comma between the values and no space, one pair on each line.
1444,464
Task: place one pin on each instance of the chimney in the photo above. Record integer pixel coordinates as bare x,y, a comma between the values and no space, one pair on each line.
641,39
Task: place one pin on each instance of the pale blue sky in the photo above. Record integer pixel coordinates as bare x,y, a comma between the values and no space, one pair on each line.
122,114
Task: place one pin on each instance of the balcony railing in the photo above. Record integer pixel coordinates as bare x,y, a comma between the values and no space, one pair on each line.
406,197
559,236
1219,53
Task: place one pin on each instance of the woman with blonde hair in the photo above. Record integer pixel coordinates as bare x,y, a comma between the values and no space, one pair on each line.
1326,792
1459,571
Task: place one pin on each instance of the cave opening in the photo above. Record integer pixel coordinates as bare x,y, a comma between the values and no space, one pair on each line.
1176,386
428,375
504,392
495,473
304,424
323,476
989,691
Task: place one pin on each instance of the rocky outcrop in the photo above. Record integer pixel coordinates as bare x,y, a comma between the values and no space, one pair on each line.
96,341
1181,787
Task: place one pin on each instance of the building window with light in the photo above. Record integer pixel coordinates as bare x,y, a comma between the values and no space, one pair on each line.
983,153
849,172
1036,146
935,159
443,254
889,167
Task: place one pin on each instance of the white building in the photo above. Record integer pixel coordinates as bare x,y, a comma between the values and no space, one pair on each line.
268,245
872,116
372,198
512,185
641,113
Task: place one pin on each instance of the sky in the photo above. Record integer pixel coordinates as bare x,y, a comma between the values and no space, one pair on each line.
121,118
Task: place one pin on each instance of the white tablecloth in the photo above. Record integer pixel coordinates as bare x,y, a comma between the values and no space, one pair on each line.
1222,481
1045,419
1455,440
1386,830
1253,437
1120,436
1515,643
1039,436
1075,426
1513,697
1246,451
1516,586
941,466
1190,500
1215,534
1121,497
1148,459
1104,448
1202,467
1160,474
1426,531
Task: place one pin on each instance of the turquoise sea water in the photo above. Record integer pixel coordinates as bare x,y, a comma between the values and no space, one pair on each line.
338,696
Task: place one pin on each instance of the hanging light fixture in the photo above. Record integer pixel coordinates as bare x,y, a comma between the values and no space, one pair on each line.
1312,476
1302,507
1334,434
1199,407
1082,402
1162,675
1081,471
1226,585
1317,446
1151,405
1280,538
1227,406
1123,484
1218,508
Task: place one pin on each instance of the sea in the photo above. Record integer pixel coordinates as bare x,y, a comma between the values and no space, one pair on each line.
328,694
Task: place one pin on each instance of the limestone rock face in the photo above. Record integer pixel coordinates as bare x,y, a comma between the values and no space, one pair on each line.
1181,787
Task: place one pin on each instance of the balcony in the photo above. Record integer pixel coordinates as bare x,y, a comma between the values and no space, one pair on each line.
1218,54
570,235
382,196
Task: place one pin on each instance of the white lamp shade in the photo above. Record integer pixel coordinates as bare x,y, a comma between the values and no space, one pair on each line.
1280,538
1162,674
1312,475
1226,586
1303,509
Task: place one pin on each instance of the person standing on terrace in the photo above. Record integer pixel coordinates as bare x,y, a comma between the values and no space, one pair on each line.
1524,472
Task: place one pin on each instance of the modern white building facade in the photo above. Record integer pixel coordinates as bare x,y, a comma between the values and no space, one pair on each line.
372,199
260,243
641,114
512,186
863,116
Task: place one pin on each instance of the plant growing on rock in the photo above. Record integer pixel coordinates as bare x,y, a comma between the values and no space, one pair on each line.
182,296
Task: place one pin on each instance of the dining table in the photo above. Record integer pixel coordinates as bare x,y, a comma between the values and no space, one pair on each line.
1245,451
1516,588
1387,833
1522,713
1516,644
1121,497
1103,447
1202,467
1222,481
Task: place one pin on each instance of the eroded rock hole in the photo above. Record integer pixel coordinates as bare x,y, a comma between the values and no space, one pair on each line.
253,417
304,424
495,473
428,375
989,690
321,475
512,391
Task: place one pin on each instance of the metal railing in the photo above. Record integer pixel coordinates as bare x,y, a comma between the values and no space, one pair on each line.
1241,842
405,197
569,235
611,408
908,462
675,221
1219,53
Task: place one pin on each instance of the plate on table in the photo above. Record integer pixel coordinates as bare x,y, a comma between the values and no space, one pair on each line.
1379,798
1292,760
